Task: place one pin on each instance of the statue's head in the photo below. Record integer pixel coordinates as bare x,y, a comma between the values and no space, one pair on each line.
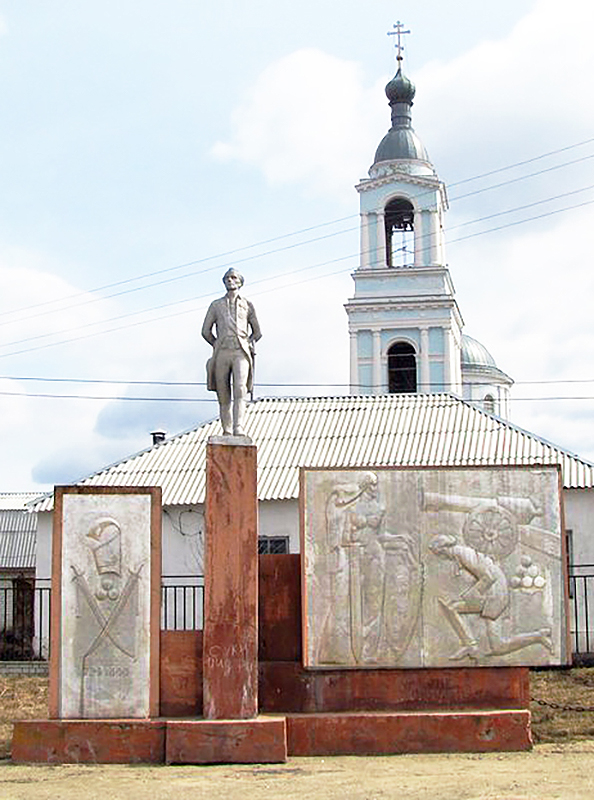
368,483
234,275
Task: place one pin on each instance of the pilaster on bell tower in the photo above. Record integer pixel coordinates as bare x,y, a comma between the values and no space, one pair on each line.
404,322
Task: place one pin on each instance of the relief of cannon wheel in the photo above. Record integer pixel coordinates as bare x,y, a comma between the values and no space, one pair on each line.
491,530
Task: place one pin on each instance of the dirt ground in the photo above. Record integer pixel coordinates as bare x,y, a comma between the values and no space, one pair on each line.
561,766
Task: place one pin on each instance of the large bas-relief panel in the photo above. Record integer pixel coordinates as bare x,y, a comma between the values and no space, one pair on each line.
433,567
106,564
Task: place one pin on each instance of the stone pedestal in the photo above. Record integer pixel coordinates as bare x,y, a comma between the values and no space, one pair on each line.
230,654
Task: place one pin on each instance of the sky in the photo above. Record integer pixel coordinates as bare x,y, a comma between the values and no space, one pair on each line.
145,147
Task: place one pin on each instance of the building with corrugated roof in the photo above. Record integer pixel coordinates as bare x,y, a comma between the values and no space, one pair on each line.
18,526
347,431
422,392
18,535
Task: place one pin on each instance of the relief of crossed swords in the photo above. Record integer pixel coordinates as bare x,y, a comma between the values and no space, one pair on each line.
106,623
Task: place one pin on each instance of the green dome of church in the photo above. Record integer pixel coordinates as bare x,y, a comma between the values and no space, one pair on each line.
401,142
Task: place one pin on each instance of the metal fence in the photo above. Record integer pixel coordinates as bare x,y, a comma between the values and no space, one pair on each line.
25,613
581,608
182,603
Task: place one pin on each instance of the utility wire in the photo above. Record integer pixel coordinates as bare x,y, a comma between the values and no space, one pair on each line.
270,252
429,235
522,163
278,384
523,177
301,231
183,266
264,280
47,395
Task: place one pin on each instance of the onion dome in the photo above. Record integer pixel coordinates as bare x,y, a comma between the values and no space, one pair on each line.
401,142
400,89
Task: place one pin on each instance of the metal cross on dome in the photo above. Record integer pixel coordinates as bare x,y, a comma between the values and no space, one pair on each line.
398,32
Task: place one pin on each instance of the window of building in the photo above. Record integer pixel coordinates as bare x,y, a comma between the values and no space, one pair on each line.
402,368
399,218
273,545
489,403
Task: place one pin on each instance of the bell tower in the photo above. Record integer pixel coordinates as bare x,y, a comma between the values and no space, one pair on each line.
405,327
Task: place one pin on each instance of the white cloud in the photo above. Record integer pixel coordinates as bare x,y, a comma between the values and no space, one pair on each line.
525,292
61,438
3,26
307,119
305,337
519,96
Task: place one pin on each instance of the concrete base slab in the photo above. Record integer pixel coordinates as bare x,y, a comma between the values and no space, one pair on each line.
269,739
378,733
114,741
262,740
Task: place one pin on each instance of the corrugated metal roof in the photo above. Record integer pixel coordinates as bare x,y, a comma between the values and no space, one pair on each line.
18,533
14,501
347,431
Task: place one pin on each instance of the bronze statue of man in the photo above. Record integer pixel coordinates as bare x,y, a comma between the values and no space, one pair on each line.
230,370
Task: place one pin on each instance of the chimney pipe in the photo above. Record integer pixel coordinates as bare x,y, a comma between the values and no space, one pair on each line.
158,437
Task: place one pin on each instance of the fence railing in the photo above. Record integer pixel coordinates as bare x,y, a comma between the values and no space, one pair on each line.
581,608
25,613
182,603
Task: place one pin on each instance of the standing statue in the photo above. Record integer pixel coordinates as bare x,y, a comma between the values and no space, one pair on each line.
232,360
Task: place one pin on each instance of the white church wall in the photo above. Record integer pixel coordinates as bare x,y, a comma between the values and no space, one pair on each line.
579,519
279,518
43,552
183,541
183,532
579,524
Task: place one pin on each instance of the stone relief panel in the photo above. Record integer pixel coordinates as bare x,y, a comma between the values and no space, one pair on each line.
433,568
105,627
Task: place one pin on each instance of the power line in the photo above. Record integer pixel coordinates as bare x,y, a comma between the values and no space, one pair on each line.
288,235
271,252
264,280
523,163
193,274
182,266
278,384
128,398
177,302
523,177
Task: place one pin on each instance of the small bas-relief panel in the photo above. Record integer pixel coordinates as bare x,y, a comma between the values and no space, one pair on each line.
433,568
105,637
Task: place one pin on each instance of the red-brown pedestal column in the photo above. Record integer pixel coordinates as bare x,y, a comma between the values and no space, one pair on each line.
230,654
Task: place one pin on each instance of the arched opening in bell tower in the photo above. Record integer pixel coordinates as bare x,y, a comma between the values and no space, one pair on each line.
399,216
402,368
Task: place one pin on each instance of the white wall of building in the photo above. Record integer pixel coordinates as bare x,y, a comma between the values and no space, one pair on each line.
579,523
579,519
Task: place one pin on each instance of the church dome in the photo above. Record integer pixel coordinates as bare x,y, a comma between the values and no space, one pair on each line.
398,144
400,89
475,358
401,142
475,354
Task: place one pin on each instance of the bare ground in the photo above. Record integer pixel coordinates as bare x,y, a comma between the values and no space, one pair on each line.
560,767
